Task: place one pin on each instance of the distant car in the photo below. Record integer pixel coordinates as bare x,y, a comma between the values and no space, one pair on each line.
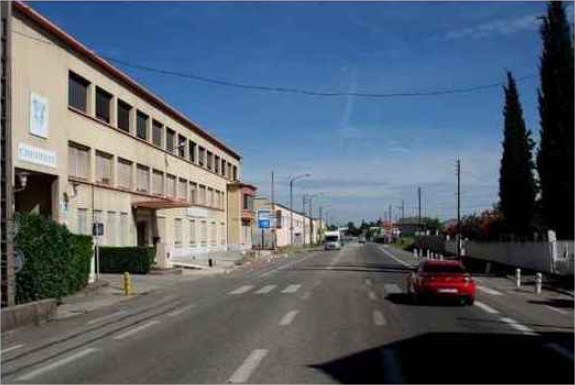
441,278
333,240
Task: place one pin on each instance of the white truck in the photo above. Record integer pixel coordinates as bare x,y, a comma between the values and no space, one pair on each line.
332,240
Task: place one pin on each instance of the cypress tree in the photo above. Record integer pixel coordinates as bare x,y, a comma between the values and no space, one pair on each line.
516,181
555,161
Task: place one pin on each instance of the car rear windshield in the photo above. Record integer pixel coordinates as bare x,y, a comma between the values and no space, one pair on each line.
331,238
432,268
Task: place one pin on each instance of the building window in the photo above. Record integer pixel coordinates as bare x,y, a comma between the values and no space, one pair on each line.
170,135
234,173
157,133
125,173
157,182
223,167
103,101
183,189
202,156
124,230
171,188
204,233
143,178
210,158
142,126
181,146
202,197
82,221
192,233
193,193
214,234
77,91
124,112
103,167
192,151
217,165
248,202
210,201
229,171
178,232
78,161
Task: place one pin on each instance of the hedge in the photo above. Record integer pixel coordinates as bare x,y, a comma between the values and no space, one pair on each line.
56,262
135,260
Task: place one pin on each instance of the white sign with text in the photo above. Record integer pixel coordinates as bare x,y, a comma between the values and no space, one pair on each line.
36,155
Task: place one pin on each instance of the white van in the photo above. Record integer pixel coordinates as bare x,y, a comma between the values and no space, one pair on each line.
332,240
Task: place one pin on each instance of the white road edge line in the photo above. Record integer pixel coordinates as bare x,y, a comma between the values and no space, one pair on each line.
241,290
372,296
486,308
291,288
555,309
266,289
378,318
100,319
4,351
34,373
288,318
488,290
517,326
394,257
136,330
180,311
243,373
561,350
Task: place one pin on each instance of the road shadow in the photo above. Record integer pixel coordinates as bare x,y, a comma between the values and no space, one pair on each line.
362,267
462,358
406,299
559,303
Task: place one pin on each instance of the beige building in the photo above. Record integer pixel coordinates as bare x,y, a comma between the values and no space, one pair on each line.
242,216
305,229
93,145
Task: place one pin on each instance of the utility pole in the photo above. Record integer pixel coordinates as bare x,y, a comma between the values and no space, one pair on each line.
402,209
274,224
419,208
320,220
458,209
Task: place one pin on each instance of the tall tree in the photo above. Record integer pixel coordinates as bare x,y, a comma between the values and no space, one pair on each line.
555,157
516,182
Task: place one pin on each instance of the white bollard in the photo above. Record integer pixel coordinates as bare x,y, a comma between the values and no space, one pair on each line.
427,253
538,282
518,278
414,253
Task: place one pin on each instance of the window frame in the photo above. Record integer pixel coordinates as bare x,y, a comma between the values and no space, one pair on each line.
100,92
119,107
146,119
85,83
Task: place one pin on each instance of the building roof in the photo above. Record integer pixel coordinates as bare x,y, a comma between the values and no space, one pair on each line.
285,207
77,47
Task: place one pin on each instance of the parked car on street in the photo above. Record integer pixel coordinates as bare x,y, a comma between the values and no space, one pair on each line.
441,279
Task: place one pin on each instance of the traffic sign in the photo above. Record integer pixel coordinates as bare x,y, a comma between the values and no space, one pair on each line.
264,218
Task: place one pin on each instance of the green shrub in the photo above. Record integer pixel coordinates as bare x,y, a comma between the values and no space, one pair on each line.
57,262
135,260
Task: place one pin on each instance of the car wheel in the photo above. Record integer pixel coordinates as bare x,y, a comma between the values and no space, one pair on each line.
469,301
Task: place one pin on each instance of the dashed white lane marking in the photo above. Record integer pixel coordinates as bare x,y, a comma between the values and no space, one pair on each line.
106,317
368,282
241,289
378,318
372,296
136,330
266,289
243,373
486,308
391,288
394,257
517,326
288,318
561,350
34,373
306,295
291,289
488,290
180,311
555,309
3,351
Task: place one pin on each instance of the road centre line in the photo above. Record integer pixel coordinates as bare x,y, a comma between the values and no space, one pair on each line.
288,318
136,329
291,288
106,317
394,257
56,364
372,295
517,326
4,351
181,310
486,308
266,289
250,364
286,265
241,289
378,318
368,282
555,309
306,295
488,290
391,288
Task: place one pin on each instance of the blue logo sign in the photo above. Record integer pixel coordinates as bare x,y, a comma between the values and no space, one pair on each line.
264,221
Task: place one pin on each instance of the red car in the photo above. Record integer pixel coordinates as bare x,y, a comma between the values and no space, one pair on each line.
441,278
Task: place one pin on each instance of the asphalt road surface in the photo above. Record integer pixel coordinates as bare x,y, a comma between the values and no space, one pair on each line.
321,317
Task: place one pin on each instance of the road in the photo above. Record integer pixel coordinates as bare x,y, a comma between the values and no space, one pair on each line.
321,317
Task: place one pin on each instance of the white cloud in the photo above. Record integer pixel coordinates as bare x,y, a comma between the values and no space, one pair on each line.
495,28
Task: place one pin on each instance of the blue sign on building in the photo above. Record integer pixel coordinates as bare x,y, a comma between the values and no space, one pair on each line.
264,218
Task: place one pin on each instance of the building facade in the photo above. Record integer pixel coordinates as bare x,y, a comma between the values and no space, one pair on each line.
242,215
91,145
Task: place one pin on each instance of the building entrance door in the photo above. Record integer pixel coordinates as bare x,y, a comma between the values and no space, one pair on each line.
142,229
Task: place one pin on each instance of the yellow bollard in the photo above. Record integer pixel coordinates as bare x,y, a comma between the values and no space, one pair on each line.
127,284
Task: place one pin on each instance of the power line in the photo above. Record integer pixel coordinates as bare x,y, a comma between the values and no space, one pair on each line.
227,83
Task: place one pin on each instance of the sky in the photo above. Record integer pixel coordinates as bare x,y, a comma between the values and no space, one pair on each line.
363,154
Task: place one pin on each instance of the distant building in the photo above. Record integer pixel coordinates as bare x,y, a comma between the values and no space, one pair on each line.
408,226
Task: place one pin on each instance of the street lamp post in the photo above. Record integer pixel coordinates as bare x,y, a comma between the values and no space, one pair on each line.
310,202
291,202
